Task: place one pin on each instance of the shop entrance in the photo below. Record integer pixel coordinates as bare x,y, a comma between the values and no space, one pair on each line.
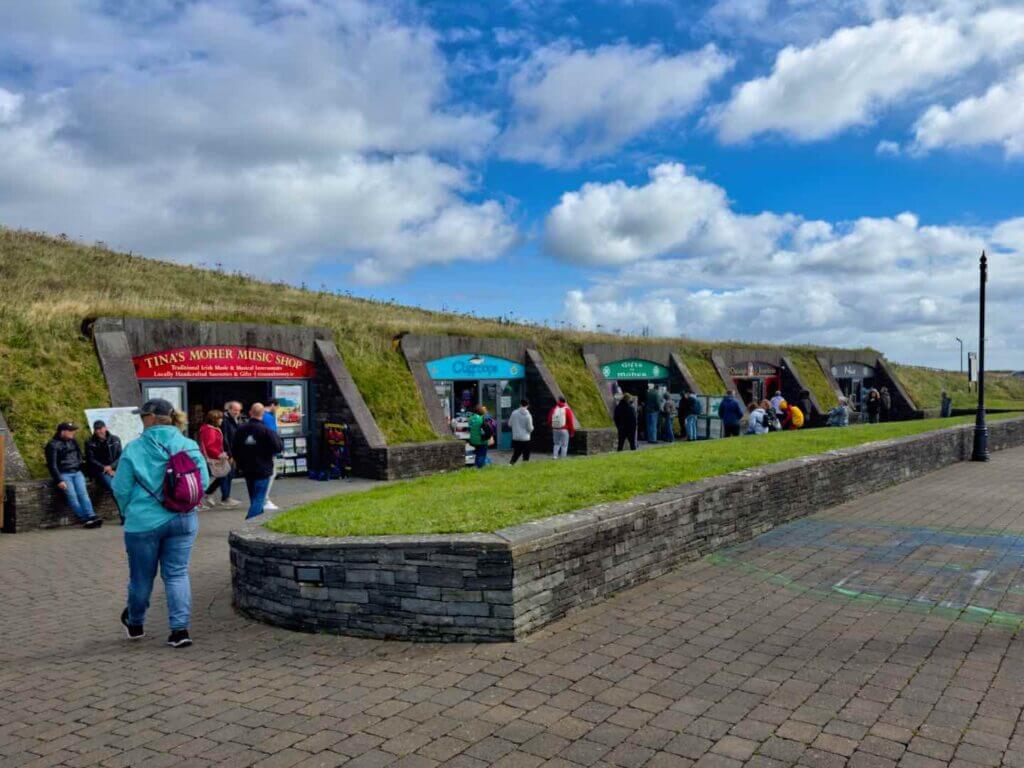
639,390
636,377
854,380
499,388
755,381
199,379
204,396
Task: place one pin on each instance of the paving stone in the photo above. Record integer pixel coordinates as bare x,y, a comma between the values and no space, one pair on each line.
713,664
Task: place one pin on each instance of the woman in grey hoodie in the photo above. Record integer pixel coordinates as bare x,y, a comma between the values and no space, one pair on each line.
521,423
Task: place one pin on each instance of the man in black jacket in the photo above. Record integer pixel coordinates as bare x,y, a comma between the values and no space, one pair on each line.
64,460
253,449
102,452
625,421
228,427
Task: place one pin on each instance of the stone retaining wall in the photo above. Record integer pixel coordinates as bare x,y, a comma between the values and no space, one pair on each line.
502,586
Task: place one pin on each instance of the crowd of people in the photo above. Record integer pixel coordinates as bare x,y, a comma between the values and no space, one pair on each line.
159,482
162,479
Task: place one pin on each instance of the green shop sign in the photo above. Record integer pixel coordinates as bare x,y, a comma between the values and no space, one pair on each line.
633,369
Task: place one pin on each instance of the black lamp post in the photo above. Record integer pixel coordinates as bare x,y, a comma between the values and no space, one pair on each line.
980,429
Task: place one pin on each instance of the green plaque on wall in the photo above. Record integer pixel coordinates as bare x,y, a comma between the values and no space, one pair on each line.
634,369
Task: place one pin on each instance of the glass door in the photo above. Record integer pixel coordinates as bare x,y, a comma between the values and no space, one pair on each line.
489,394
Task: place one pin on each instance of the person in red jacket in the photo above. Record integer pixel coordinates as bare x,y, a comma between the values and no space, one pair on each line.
211,445
563,427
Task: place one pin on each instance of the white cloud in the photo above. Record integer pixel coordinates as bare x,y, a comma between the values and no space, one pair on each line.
571,105
850,77
616,224
886,147
892,282
280,139
996,117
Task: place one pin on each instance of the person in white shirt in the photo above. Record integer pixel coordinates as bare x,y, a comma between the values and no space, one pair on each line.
777,402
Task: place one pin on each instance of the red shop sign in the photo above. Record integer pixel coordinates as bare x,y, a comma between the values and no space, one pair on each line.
222,362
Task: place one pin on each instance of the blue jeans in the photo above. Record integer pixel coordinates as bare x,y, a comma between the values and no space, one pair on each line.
652,426
107,480
691,427
225,484
77,495
669,428
257,494
170,545
480,451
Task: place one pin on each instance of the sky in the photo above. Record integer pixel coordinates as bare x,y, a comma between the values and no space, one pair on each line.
800,171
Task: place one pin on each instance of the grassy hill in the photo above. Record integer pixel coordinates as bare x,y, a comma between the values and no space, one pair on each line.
925,385
50,370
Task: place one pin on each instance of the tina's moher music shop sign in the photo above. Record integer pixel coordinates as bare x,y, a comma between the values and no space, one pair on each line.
222,362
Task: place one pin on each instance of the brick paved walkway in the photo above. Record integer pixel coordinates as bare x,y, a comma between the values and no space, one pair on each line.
880,633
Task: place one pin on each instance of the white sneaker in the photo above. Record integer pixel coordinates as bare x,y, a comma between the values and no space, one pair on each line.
231,503
208,502
269,506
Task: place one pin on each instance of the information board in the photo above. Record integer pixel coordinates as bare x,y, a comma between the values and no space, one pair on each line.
120,421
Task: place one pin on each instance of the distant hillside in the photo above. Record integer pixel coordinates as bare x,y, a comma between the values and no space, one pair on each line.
50,370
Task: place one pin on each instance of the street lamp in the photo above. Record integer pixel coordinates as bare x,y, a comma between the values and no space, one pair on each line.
961,353
980,429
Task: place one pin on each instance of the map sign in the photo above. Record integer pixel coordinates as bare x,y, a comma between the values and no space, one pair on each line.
120,421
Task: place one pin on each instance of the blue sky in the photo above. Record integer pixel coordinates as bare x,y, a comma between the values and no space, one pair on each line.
766,170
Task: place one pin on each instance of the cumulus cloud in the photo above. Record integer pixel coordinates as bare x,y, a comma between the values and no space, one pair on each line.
277,138
893,282
996,117
617,224
850,77
570,105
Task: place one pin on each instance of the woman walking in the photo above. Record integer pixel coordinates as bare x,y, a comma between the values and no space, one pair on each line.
153,534
211,443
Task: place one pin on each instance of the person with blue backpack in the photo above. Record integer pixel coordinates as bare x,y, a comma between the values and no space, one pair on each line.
158,485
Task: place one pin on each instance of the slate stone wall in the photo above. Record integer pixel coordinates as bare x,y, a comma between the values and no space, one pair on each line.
38,504
440,588
504,585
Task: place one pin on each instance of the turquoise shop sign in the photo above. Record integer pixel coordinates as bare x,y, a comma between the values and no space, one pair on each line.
633,369
474,367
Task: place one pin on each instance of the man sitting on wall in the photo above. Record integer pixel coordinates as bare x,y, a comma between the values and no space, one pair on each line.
64,460
102,452
254,449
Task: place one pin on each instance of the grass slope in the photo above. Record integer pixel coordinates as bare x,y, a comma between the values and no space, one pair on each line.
498,497
50,371
925,385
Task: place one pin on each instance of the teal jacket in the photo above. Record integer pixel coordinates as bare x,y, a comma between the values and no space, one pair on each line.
144,461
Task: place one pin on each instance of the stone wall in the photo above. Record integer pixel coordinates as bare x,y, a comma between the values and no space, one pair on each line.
38,504
424,588
504,585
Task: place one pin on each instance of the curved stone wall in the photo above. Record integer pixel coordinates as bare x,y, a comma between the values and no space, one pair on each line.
503,585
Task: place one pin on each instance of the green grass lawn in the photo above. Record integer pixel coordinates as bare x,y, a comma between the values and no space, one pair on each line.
497,497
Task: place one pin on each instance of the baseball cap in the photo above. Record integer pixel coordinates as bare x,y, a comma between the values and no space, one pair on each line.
67,426
157,407
98,424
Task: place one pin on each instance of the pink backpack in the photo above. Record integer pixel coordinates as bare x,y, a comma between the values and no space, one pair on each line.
183,483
